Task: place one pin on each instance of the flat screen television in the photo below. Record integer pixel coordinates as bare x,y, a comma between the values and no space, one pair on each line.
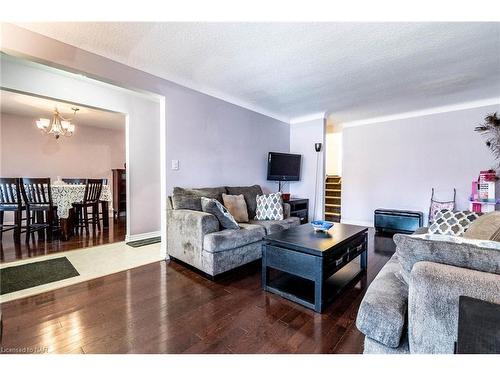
283,167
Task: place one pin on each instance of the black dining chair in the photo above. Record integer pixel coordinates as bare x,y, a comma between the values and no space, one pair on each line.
75,181
10,201
103,205
93,189
41,214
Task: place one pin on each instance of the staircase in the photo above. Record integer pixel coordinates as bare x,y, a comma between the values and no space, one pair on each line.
333,192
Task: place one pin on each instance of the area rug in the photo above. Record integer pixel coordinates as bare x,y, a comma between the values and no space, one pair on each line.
147,241
33,274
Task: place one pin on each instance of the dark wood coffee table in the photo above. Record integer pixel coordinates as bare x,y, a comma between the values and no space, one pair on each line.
311,268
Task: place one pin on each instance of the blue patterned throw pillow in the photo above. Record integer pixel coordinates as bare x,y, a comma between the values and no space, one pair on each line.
214,207
269,207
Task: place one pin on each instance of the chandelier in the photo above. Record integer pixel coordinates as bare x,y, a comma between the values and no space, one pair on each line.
58,126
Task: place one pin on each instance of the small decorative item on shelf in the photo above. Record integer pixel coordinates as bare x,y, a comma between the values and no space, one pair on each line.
321,225
482,198
285,196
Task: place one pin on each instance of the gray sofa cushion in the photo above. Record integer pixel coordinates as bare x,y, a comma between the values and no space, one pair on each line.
231,238
189,199
214,207
455,251
250,193
382,313
273,226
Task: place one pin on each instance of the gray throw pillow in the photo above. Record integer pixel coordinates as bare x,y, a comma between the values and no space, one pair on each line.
214,207
190,199
455,251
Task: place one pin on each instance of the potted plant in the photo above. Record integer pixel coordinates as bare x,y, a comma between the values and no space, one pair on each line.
490,129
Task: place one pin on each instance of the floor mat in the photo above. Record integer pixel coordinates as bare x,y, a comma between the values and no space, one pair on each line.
147,241
33,274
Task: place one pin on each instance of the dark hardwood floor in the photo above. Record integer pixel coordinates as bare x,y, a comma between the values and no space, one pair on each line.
10,251
166,308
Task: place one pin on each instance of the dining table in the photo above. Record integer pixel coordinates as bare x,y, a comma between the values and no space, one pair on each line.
64,195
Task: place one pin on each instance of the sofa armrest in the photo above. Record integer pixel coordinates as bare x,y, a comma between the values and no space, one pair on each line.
382,313
286,210
433,303
185,232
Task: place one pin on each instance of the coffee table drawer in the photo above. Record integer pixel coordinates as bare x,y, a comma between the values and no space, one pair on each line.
303,265
344,255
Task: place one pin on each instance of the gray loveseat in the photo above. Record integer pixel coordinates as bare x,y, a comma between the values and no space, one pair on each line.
195,237
419,313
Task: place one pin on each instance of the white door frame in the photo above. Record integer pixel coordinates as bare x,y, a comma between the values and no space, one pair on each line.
162,138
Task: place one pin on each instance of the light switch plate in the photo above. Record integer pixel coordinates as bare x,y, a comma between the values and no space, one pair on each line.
175,165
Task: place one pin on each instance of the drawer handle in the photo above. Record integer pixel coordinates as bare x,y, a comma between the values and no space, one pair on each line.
356,249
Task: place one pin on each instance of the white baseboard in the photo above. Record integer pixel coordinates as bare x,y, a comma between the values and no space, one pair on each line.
357,222
142,236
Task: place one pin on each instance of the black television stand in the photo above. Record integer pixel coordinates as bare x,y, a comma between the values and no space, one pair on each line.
299,207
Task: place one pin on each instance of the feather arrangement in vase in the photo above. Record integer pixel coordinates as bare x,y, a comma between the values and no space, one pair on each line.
491,131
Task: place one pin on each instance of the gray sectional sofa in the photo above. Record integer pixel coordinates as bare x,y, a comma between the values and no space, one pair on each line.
195,237
412,304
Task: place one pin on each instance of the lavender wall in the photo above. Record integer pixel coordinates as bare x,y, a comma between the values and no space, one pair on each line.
92,152
217,143
395,164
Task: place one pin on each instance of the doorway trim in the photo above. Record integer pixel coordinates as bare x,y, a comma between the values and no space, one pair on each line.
154,97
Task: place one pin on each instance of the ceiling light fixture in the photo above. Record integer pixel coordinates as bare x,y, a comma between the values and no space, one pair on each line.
58,126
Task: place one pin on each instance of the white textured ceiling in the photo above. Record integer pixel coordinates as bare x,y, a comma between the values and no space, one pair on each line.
353,71
32,106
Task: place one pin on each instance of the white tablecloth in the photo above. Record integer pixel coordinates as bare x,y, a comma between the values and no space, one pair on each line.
64,196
